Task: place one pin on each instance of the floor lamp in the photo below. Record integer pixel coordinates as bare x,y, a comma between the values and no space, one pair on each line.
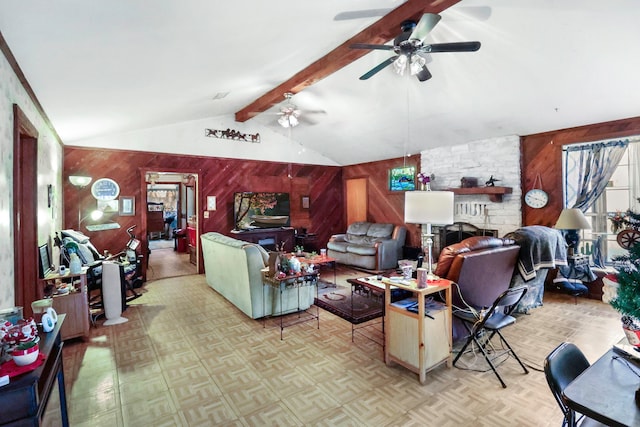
428,208
79,182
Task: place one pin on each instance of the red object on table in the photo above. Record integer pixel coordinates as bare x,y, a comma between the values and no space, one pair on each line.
10,368
191,233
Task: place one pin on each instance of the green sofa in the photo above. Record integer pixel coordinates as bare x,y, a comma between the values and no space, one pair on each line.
233,269
368,245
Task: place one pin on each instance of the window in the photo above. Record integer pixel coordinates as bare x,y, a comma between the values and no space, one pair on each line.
619,196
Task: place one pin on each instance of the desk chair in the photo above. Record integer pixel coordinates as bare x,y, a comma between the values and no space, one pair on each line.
479,322
562,366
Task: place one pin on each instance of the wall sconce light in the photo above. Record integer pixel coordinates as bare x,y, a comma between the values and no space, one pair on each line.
79,181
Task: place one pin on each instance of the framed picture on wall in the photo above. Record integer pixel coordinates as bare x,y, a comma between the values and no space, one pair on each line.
127,206
402,178
305,202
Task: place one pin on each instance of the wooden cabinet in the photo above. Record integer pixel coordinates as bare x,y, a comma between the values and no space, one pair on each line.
268,238
418,341
75,304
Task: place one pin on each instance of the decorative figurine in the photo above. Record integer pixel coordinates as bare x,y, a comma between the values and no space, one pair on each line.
491,182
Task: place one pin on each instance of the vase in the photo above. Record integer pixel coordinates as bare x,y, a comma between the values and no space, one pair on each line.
425,186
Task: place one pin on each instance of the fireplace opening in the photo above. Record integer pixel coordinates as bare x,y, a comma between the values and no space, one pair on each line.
457,232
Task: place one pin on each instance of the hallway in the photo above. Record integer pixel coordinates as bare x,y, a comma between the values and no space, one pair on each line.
165,262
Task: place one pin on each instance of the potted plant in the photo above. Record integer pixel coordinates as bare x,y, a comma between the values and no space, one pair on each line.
627,298
299,250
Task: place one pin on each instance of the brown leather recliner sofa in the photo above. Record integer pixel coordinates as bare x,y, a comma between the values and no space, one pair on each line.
482,268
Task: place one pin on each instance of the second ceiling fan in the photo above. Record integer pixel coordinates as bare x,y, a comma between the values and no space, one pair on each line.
409,48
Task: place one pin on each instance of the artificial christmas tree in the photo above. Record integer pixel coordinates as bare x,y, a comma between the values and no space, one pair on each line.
627,299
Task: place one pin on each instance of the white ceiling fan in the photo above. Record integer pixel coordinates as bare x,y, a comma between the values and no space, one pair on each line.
291,115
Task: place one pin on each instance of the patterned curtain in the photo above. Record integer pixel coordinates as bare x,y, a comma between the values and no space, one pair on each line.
634,174
588,169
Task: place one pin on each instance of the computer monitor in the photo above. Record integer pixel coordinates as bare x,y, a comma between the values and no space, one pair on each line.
44,260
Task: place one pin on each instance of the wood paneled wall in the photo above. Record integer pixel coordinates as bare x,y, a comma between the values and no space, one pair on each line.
217,177
542,154
384,205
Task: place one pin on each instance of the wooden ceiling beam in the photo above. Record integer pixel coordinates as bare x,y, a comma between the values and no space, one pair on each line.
380,32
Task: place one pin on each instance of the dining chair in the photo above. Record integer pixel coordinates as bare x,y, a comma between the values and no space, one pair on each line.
562,366
481,324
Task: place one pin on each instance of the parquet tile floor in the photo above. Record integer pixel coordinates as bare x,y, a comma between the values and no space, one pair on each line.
187,357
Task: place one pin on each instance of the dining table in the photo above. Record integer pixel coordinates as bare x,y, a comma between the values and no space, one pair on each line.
606,390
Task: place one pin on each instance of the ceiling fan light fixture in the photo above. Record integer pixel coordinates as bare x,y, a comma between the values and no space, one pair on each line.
417,62
288,120
400,64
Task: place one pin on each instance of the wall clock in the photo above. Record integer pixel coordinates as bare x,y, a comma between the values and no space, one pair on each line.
105,189
536,197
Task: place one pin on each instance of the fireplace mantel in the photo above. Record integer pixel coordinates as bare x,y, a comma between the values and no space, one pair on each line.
495,193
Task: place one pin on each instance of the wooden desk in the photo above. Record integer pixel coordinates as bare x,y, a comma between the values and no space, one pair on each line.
75,304
605,391
24,400
413,340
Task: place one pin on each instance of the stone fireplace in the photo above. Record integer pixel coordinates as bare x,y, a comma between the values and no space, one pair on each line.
477,214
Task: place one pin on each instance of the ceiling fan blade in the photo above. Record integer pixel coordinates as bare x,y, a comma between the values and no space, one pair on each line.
314,112
480,13
452,47
424,26
379,67
424,74
357,14
371,46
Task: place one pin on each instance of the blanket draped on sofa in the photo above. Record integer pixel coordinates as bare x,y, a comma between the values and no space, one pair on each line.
541,248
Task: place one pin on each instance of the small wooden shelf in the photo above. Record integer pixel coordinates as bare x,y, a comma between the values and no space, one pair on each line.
495,193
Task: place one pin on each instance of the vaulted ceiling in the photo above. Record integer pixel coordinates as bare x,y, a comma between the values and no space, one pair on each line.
102,69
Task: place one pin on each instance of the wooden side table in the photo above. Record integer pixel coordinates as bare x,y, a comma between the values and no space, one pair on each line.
23,402
75,304
280,284
414,340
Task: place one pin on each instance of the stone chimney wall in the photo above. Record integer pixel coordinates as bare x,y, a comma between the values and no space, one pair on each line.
481,159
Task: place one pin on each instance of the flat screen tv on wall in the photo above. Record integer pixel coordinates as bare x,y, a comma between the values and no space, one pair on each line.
261,210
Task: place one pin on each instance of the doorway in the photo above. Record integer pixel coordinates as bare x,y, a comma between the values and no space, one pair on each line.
357,200
25,207
171,224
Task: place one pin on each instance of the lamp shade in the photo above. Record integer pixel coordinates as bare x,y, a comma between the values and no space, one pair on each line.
428,207
79,181
572,219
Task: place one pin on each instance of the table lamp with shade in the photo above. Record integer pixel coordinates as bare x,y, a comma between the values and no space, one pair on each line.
572,221
428,208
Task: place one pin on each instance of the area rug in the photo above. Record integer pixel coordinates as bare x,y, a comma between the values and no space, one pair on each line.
356,308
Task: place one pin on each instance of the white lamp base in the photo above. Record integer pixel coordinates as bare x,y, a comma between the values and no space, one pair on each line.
115,321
